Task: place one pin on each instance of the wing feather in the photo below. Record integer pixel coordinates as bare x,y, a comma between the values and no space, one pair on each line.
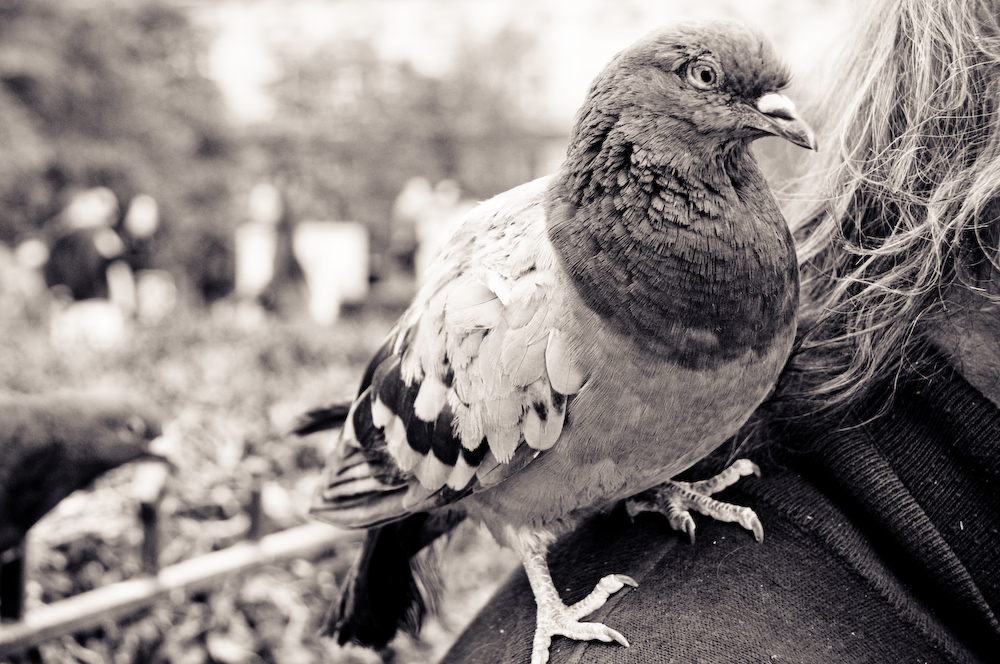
431,398
496,383
470,386
543,420
462,474
432,472
465,347
381,415
492,471
472,305
522,358
563,368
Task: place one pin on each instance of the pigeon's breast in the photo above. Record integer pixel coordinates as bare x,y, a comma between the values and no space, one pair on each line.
695,269
699,295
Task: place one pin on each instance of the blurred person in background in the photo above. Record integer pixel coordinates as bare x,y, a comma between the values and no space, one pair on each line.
421,217
880,449
84,244
410,205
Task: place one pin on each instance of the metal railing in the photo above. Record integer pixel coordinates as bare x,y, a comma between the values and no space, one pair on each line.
20,630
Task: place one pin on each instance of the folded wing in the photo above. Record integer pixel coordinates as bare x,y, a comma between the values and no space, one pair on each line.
471,384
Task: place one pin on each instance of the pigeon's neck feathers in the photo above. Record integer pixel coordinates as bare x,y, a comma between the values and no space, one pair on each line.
674,248
614,151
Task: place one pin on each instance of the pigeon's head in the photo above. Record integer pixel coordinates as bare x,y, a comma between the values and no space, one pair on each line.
705,82
108,431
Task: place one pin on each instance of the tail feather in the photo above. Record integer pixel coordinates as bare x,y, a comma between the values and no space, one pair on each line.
322,419
383,591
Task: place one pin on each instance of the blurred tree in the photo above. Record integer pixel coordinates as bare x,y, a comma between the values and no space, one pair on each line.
351,128
111,94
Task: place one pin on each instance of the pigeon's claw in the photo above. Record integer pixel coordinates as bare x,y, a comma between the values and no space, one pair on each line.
604,589
557,619
675,499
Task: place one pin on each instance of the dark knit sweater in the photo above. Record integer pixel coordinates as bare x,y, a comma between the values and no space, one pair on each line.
882,544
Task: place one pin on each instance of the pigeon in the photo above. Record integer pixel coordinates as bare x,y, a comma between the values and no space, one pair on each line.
52,445
582,338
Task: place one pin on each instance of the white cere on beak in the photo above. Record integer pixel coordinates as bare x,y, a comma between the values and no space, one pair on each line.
776,105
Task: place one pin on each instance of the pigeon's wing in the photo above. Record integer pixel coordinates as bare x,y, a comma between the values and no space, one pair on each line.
473,381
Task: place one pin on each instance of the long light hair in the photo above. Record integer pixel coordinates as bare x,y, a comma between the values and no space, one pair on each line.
904,199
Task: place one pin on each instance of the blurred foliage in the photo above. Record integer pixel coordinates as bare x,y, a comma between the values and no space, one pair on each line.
98,94
113,94
351,129
231,391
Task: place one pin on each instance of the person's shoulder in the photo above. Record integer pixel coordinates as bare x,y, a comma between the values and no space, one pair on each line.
724,598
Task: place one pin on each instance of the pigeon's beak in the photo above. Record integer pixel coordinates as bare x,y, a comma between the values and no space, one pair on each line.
780,118
163,449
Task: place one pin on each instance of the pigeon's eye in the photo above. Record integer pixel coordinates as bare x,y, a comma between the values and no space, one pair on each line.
703,75
135,426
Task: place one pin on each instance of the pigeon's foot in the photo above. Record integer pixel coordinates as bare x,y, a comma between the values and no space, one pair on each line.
557,619
674,499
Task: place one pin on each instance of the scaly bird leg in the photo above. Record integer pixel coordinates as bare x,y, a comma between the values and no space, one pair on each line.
673,499
554,617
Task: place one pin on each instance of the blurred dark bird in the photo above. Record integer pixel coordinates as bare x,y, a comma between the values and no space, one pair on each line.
52,445
582,338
